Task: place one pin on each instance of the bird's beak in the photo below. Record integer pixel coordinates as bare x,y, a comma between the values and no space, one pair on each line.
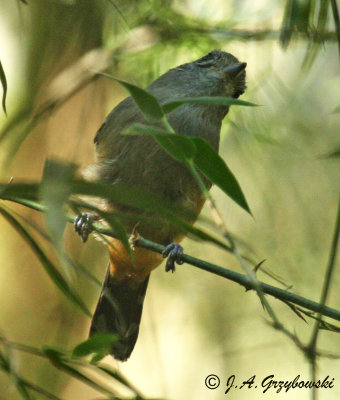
233,70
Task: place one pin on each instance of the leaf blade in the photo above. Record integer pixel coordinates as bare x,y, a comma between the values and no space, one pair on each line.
146,102
50,269
218,101
214,167
4,87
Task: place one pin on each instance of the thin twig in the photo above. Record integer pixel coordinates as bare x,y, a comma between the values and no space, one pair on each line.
311,348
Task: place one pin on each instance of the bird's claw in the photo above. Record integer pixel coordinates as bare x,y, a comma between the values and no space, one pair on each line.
174,252
83,225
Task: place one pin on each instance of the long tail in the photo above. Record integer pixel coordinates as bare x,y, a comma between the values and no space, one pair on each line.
119,311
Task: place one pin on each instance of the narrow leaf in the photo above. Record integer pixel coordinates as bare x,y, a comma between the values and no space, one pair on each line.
50,269
215,168
217,101
95,344
336,18
5,365
120,193
120,231
119,377
145,101
4,87
180,147
59,361
55,190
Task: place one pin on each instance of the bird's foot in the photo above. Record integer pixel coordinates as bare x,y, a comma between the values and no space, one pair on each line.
134,237
83,224
173,251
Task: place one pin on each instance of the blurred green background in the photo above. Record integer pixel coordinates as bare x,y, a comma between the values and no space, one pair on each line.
194,323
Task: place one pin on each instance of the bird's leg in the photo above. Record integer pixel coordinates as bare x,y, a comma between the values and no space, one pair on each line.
83,224
173,252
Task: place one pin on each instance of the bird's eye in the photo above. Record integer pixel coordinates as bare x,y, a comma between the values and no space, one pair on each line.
205,64
206,61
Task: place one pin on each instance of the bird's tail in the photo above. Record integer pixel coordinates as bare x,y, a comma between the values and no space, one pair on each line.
119,311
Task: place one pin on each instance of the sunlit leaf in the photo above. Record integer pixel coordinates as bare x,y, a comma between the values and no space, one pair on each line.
95,344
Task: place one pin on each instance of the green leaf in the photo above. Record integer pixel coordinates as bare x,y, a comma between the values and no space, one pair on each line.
145,101
4,87
96,344
6,366
49,267
217,101
55,191
119,230
315,45
119,377
215,168
25,190
336,19
180,147
59,361
120,193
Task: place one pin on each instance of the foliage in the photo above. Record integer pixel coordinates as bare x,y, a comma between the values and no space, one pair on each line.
51,55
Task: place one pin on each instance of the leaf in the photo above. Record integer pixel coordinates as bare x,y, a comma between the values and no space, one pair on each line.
218,101
136,198
59,361
54,192
6,366
26,190
315,44
50,269
4,87
287,23
145,101
120,231
120,378
336,19
179,147
214,167
95,344
149,203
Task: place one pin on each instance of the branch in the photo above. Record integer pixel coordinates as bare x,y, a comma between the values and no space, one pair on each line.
234,276
268,34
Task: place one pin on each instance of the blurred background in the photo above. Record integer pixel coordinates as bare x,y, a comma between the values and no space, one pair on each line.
194,323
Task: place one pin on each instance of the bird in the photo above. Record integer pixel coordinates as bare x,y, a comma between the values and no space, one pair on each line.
140,163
